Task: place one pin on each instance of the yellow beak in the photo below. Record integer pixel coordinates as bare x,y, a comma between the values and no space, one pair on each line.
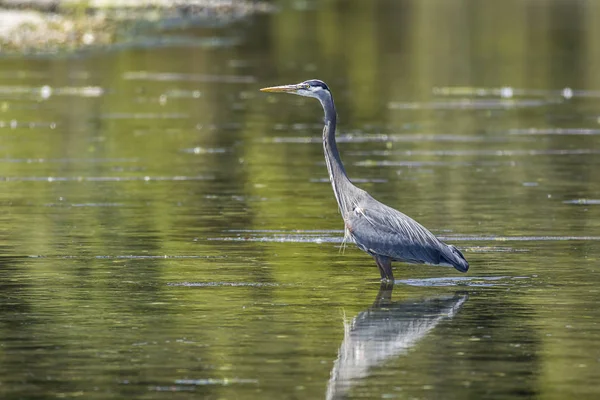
283,89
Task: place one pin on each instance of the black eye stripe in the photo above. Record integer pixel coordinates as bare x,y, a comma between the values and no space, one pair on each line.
317,83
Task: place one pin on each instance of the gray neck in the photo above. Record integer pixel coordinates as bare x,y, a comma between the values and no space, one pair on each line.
342,186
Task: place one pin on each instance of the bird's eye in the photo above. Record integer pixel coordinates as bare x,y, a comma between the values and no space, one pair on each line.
307,86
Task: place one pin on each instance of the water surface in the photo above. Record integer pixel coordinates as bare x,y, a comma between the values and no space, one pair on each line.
166,227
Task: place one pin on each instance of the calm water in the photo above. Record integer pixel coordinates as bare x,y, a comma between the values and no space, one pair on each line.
166,227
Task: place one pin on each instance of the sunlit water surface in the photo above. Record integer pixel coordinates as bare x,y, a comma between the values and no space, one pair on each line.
165,227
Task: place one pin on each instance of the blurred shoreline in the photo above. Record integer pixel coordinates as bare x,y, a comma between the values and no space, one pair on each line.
47,26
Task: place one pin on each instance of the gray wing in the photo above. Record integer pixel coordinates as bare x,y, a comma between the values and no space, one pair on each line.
384,231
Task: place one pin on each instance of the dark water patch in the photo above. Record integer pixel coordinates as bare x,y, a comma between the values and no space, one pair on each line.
182,77
52,179
583,202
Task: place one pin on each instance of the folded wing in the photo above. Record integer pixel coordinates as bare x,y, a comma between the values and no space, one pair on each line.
384,231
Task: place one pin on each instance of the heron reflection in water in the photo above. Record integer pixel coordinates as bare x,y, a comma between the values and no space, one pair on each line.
381,231
386,330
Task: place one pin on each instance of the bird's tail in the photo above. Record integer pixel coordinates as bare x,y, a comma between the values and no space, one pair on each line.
456,259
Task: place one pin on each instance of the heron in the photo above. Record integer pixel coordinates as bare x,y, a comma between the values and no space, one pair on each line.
377,229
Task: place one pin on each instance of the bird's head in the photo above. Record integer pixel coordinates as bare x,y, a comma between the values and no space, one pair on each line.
311,88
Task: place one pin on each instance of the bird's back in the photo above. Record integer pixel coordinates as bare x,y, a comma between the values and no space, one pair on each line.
383,231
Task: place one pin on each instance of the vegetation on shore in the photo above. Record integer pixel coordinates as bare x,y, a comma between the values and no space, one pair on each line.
52,26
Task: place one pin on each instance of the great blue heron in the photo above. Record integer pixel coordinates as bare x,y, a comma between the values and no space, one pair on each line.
383,232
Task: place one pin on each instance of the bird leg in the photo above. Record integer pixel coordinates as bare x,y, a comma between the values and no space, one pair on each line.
385,268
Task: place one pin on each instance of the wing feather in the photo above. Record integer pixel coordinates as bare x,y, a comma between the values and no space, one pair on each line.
382,230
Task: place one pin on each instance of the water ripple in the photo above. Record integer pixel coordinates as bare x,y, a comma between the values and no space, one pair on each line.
188,385
463,153
283,239
492,249
507,92
144,257
46,91
143,116
68,160
393,137
555,131
520,238
225,381
84,205
417,164
470,104
14,124
354,180
103,178
470,281
338,236
204,150
129,257
171,388
175,76
224,284
584,202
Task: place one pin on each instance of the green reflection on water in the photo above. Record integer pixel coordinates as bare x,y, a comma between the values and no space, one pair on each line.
128,216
